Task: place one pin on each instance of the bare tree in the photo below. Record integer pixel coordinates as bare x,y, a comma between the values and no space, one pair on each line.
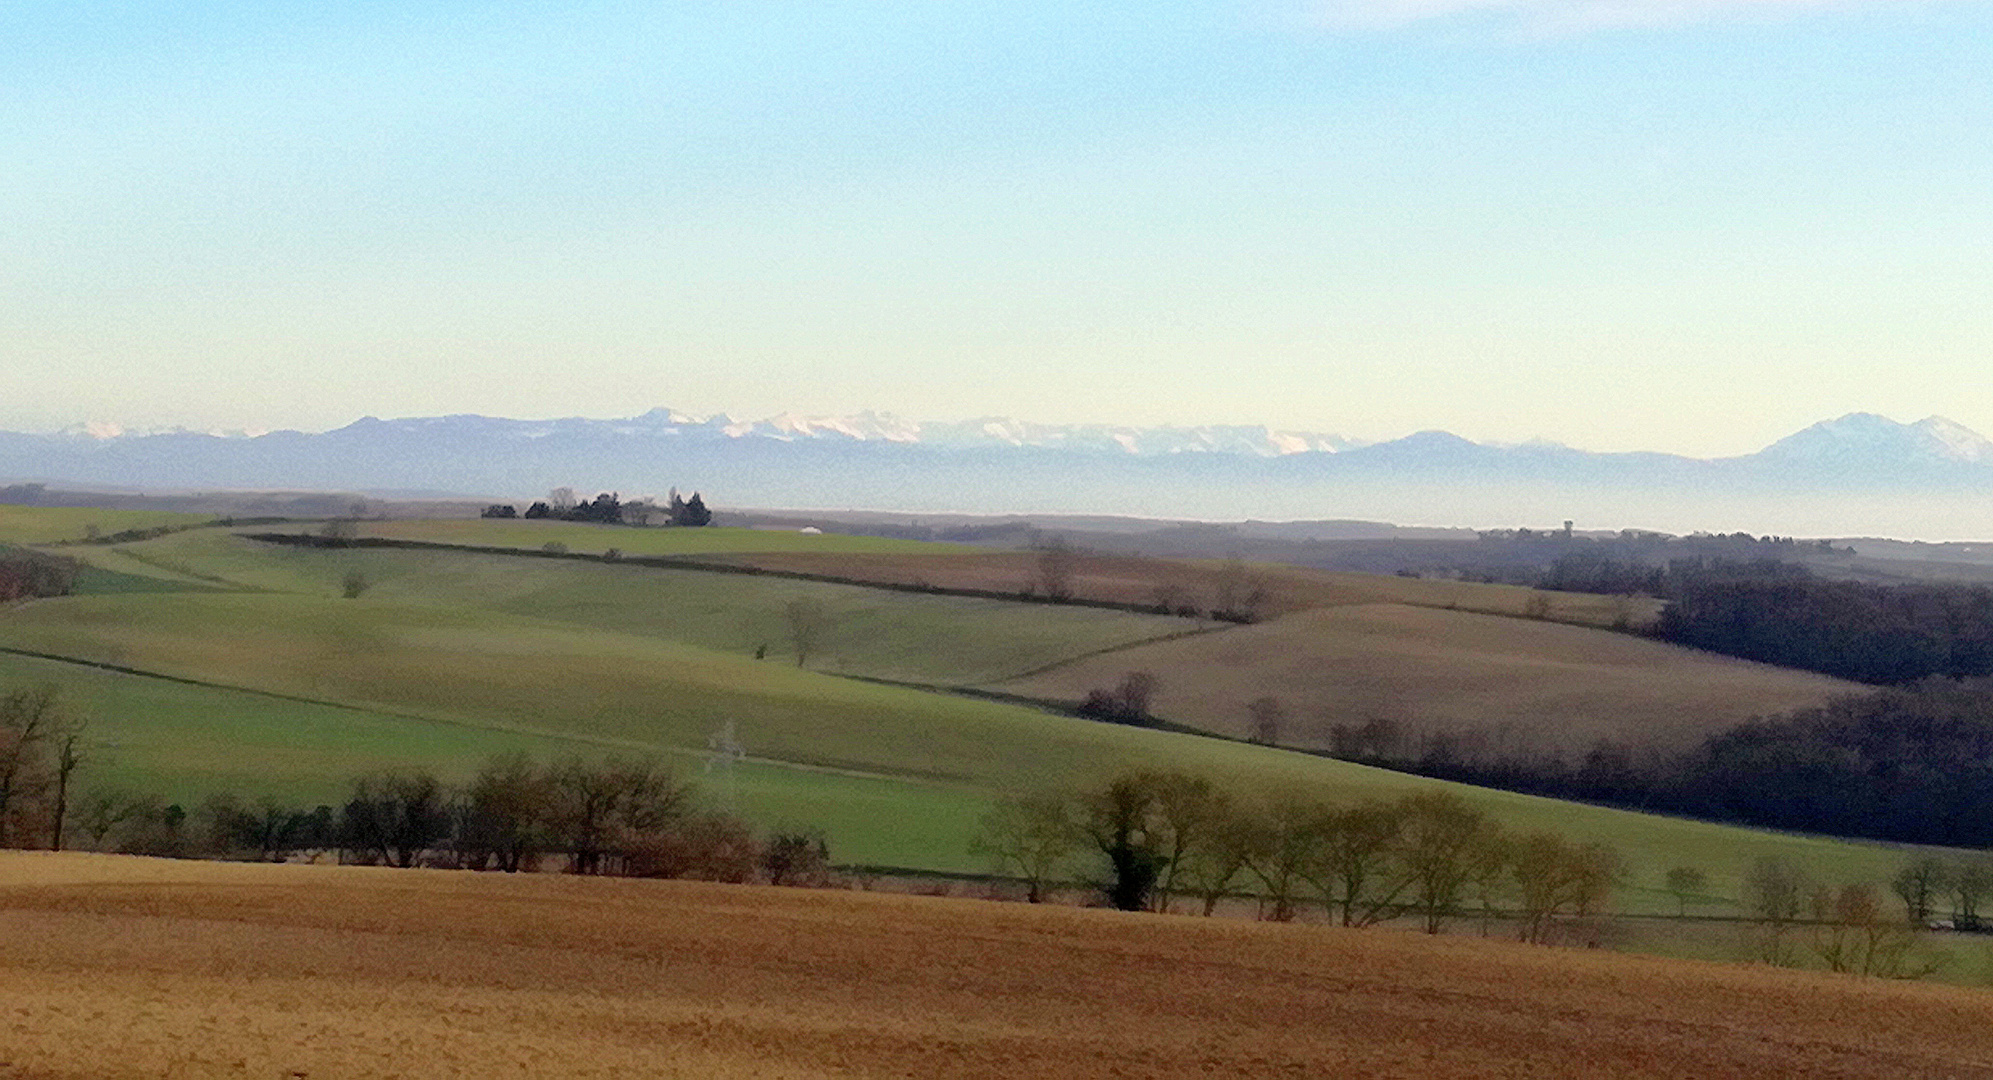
1210,866
1238,595
1556,879
33,724
1445,844
1775,895
393,817
1360,872
67,758
1852,933
1188,807
1289,846
595,810
1686,882
1971,880
1919,885
504,815
561,500
1267,716
1056,567
808,624
1030,837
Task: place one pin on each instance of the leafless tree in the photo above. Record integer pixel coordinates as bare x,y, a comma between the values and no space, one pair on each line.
1971,880
808,625
1267,716
561,500
1238,595
1685,882
1445,844
1775,896
595,810
1030,837
1211,865
1919,885
1852,933
1188,808
1055,568
1359,872
1292,830
67,757
33,726
1555,879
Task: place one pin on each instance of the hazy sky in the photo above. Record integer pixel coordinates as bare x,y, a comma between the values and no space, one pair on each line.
1689,225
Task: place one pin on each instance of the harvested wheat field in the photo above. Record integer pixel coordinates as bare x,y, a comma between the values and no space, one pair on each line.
1497,685
118,967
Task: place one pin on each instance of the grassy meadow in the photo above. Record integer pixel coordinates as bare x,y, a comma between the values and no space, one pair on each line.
287,689
61,524
122,968
595,539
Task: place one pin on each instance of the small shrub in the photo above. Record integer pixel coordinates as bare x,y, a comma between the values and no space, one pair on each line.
353,585
554,547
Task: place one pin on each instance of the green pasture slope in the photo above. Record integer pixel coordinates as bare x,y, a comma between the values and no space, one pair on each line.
30,525
296,693
869,632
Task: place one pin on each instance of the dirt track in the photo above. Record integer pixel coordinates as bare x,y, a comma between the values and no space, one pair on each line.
113,968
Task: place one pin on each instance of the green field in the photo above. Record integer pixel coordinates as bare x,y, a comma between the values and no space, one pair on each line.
450,657
595,539
58,524
895,776
871,632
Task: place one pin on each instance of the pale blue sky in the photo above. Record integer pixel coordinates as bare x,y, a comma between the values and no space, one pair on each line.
1690,226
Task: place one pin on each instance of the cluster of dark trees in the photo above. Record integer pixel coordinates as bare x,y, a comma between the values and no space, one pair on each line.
1908,764
28,575
615,816
608,508
1780,612
1127,702
1146,840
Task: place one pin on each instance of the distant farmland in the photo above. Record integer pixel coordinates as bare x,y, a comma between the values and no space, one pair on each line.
123,968
1496,684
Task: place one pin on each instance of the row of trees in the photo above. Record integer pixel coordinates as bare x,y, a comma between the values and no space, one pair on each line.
621,816
1152,840
608,508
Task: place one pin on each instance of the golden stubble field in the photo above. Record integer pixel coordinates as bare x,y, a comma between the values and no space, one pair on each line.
116,967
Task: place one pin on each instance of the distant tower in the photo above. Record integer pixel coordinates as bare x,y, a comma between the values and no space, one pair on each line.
1567,529
723,749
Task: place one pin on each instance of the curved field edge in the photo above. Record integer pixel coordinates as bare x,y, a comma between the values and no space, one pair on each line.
125,967
898,777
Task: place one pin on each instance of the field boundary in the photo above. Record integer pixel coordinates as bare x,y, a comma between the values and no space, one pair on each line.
705,565
907,776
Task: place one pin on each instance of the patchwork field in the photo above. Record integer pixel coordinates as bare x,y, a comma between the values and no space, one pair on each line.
1501,685
125,968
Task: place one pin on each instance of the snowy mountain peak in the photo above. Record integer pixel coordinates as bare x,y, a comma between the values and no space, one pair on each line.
1869,440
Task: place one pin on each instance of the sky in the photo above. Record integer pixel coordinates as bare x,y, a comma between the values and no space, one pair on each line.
1682,225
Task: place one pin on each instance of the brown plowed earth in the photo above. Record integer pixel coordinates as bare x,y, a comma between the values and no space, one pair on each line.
116,968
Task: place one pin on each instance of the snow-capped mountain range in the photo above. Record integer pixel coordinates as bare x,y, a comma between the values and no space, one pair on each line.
1860,473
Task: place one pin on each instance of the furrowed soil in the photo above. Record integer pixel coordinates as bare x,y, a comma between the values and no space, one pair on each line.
117,968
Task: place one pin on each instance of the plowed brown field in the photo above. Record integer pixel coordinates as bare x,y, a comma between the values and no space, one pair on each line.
114,968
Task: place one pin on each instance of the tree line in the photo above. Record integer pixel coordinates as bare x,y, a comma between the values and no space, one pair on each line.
1780,612
1155,840
1906,764
608,508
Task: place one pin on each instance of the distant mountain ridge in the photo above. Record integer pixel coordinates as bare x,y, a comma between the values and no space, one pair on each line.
1857,474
